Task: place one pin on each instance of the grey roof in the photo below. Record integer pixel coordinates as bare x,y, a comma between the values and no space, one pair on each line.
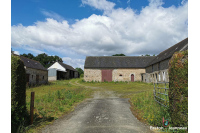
117,61
67,66
32,63
166,54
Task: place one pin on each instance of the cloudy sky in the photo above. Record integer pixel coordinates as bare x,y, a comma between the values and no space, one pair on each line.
74,29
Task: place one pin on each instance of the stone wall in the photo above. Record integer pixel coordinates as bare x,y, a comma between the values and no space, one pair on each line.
156,76
43,76
117,74
125,74
92,75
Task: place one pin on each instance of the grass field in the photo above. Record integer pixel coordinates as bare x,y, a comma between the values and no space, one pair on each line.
60,97
53,100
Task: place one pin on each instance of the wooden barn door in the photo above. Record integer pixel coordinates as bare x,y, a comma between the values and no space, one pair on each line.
132,77
106,75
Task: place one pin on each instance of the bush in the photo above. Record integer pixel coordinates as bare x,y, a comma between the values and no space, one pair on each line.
82,75
18,93
178,92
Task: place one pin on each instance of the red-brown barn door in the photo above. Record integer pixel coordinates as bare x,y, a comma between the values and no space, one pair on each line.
106,75
132,77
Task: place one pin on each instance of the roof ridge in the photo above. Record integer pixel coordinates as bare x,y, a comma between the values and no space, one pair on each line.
30,59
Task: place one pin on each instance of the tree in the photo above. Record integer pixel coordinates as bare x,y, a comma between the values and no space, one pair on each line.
80,71
43,58
148,55
29,55
119,55
19,113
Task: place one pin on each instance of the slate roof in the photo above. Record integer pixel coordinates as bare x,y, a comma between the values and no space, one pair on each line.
32,63
67,66
166,54
117,61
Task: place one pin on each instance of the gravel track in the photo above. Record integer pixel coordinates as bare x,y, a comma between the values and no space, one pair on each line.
104,113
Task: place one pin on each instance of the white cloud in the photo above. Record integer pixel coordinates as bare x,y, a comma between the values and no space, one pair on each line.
118,31
74,62
99,4
52,15
16,52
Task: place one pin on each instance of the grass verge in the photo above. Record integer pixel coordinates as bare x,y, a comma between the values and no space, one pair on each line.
53,100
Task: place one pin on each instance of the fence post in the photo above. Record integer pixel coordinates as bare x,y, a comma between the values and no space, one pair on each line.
32,106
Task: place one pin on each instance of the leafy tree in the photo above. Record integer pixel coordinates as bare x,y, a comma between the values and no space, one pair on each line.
119,55
43,58
80,71
29,55
148,55
19,114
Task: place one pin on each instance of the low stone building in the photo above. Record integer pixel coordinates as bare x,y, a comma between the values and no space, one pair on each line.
36,74
157,69
131,68
115,68
59,70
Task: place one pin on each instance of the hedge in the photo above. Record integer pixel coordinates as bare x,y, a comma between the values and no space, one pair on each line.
18,93
178,92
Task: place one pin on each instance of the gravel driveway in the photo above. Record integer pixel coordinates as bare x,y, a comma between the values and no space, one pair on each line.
105,113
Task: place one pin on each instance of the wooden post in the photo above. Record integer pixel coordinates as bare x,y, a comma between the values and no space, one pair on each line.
32,106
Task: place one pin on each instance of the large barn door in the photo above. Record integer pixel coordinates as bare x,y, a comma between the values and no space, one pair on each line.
132,77
106,75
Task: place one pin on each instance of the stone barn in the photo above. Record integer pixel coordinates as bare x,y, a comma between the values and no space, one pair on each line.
115,68
157,69
36,73
59,70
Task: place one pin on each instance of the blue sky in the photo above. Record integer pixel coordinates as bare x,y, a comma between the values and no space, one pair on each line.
74,29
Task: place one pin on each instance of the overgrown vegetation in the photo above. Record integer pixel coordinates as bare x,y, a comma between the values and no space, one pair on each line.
147,110
178,93
19,114
54,100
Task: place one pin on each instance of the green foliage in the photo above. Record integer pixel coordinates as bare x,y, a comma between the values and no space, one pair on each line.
44,59
148,110
80,71
82,75
119,55
18,93
178,92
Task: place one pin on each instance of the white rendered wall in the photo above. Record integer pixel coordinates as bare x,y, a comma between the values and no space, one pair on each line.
57,66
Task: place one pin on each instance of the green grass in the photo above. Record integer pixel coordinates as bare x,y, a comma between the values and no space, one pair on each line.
141,97
60,97
54,100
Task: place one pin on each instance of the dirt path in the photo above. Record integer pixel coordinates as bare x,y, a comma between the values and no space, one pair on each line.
105,113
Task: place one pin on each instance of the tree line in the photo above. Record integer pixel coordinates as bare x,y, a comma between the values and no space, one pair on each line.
47,61
44,59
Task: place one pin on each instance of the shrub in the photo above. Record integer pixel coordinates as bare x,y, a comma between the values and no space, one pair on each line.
82,75
18,93
178,92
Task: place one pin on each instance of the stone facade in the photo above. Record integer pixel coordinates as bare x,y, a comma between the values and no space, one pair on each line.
157,72
117,74
92,75
32,74
125,74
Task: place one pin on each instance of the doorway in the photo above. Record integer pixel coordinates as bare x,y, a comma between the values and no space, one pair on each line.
132,77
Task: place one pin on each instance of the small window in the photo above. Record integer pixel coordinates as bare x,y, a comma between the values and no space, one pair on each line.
120,75
32,76
43,77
